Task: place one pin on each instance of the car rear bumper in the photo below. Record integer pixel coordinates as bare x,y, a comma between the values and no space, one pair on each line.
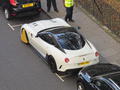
19,11
70,67
26,9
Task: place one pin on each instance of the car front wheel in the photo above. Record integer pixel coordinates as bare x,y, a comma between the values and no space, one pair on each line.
80,86
7,14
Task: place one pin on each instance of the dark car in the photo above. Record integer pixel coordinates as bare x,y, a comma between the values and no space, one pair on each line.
99,77
20,7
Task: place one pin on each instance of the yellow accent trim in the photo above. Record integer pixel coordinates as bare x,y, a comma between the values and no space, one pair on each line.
24,36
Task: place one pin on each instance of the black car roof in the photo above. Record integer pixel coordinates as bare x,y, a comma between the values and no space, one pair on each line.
100,69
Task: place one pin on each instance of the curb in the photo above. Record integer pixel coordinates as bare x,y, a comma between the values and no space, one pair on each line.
46,13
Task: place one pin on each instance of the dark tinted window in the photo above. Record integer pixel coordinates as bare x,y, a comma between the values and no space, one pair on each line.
47,38
100,69
70,40
102,85
115,78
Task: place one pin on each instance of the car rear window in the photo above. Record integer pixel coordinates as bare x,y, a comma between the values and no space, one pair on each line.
70,40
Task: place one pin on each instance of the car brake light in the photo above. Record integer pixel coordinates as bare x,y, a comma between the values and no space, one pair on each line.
13,2
97,54
13,14
67,60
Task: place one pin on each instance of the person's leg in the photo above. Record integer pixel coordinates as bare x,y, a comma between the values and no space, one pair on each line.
48,5
67,14
54,5
71,14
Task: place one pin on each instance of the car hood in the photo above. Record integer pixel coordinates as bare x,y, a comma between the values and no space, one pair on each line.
100,69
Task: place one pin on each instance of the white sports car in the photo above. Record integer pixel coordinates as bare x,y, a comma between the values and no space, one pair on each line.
62,46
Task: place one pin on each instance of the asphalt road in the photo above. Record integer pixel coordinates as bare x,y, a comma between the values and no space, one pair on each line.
21,67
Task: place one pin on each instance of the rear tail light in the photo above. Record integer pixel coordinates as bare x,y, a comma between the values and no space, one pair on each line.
13,14
67,60
97,54
13,2
39,9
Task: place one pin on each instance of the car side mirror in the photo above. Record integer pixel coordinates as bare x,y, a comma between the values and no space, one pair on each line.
36,36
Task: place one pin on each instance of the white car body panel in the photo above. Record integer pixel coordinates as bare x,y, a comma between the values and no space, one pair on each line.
87,53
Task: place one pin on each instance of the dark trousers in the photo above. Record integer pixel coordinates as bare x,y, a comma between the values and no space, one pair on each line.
69,13
53,2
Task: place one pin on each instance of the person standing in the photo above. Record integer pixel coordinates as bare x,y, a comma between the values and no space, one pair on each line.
69,4
53,2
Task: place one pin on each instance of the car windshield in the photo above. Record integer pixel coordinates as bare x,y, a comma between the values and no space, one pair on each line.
115,78
70,40
100,69
25,1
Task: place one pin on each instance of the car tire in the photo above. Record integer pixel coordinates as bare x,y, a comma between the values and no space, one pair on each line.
80,86
52,64
7,14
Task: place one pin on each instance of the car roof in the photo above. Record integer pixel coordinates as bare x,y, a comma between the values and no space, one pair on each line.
100,69
44,24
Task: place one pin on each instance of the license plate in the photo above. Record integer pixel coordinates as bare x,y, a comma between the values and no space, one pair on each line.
84,63
27,5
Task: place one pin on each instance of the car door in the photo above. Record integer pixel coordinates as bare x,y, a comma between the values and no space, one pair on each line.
45,43
34,41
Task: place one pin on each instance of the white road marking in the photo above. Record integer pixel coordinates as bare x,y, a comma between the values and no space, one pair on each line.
17,25
59,77
11,27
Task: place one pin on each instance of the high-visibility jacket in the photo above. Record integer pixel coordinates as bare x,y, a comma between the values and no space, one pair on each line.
69,3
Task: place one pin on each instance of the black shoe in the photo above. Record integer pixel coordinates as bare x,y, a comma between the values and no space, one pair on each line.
71,20
56,11
48,10
66,20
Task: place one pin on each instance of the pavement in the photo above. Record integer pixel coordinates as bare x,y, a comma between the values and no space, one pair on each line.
107,46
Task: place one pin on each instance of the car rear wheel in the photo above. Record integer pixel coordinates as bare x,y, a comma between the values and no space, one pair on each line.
52,64
80,86
7,14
